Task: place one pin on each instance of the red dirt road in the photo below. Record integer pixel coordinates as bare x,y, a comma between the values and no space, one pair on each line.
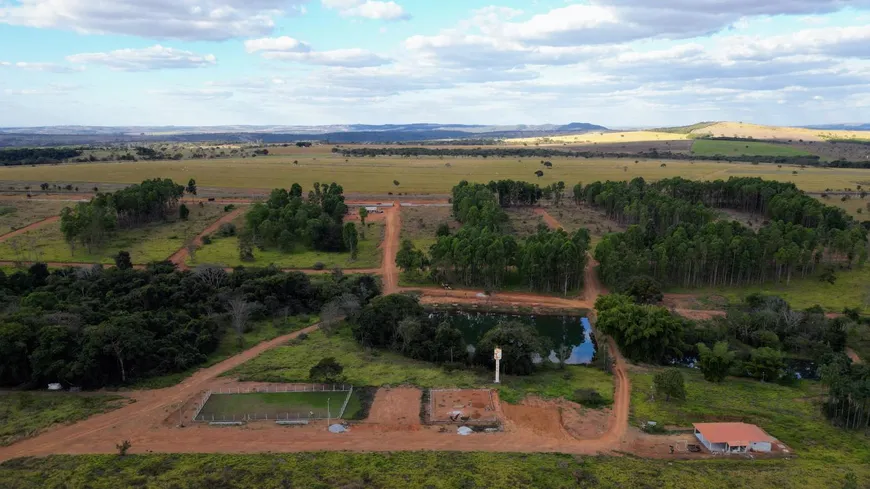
550,220
389,270
180,256
29,227
851,354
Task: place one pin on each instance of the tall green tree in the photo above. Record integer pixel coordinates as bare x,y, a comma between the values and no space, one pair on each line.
715,363
191,187
671,384
351,239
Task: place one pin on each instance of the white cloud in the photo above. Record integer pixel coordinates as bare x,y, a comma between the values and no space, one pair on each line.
194,94
46,67
152,58
368,9
211,20
288,49
352,58
51,89
282,43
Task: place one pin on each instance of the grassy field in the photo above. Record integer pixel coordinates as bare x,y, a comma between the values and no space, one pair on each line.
25,414
276,404
855,206
746,130
403,470
852,289
229,346
420,223
225,252
419,175
574,217
152,242
790,414
523,222
377,368
707,147
601,137
15,214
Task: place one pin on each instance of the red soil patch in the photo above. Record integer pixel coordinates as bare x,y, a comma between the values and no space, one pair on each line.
396,406
462,406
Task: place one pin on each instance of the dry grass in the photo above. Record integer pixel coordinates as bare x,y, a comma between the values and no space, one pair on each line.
419,175
755,131
855,206
602,137
573,217
420,223
15,214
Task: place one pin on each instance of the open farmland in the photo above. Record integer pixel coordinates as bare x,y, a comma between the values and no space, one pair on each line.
709,147
855,206
755,131
601,137
15,214
151,242
420,175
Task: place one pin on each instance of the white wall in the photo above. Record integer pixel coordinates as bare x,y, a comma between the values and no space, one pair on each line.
760,446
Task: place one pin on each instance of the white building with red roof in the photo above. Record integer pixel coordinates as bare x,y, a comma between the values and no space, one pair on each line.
733,437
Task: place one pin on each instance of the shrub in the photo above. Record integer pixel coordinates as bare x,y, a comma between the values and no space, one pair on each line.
327,370
319,266
589,398
206,239
229,208
226,230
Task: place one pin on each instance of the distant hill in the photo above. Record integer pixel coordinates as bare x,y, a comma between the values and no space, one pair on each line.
856,126
351,133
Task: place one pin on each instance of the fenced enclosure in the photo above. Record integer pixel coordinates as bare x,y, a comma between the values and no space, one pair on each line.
279,403
462,406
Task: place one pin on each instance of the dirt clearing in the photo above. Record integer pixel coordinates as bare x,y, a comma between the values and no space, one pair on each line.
396,406
460,406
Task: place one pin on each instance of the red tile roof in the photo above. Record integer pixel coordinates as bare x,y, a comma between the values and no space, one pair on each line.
734,434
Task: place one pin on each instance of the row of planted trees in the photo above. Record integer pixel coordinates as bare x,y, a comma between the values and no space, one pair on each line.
92,223
674,235
482,254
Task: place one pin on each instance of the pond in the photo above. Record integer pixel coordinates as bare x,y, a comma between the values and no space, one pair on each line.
572,331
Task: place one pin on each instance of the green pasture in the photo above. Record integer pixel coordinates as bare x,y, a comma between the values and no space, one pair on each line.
15,214
151,242
711,147
25,414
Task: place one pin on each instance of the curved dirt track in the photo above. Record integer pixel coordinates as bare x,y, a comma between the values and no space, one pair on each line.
550,220
180,256
853,355
29,227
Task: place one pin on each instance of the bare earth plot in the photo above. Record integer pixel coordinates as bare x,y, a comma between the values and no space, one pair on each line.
575,216
419,224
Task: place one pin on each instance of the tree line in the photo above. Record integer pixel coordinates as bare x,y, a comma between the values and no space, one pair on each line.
36,156
91,223
95,327
398,323
674,237
534,153
482,254
288,219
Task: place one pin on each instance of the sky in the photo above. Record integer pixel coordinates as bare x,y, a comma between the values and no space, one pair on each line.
619,63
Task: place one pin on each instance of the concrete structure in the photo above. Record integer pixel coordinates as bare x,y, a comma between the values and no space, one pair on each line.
374,210
733,437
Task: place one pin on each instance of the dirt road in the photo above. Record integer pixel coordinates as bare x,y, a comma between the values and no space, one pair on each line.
29,227
851,354
180,256
550,220
389,270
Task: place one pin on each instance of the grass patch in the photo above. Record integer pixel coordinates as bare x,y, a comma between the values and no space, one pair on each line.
225,252
419,175
403,470
852,289
25,414
291,363
791,414
229,346
152,242
15,214
709,147
279,404
420,223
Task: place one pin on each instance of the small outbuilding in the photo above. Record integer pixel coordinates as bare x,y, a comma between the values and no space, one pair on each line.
374,210
733,437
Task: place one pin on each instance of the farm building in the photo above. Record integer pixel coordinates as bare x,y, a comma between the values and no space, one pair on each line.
733,437
373,210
